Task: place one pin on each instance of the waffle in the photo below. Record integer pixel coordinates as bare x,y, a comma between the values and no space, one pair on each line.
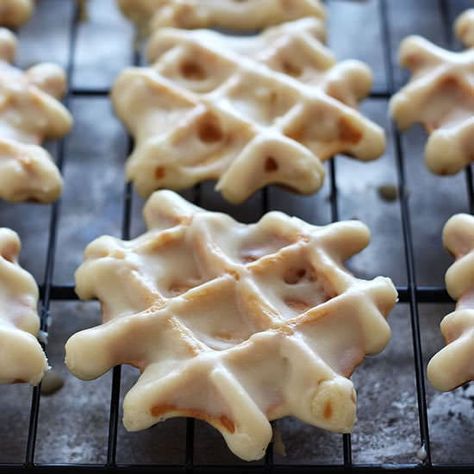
21,357
453,365
229,323
29,113
465,28
149,15
14,13
441,97
245,111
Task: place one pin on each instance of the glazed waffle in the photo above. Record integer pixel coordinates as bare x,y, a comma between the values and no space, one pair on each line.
453,365
246,112
29,113
21,357
441,97
232,324
257,14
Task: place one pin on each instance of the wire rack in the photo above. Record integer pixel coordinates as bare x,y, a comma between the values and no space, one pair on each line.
412,294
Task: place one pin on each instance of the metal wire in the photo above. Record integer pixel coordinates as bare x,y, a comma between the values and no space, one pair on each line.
333,199
116,373
51,250
411,294
408,247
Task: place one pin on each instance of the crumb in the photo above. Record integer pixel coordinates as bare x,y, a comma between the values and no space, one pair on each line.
388,192
421,454
52,382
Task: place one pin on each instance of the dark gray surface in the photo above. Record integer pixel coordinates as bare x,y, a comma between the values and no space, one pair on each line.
73,422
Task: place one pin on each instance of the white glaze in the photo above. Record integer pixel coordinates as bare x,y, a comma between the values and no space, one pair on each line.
21,357
29,113
211,107
231,323
257,14
440,95
454,365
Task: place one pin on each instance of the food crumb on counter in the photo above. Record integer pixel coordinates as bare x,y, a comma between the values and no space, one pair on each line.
388,192
52,382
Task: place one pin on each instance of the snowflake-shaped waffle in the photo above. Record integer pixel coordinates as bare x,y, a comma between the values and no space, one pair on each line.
257,14
29,113
454,365
247,112
233,324
21,357
441,97
14,13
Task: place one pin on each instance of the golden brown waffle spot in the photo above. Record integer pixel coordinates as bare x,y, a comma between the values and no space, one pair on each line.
297,133
160,410
9,252
209,129
178,288
450,82
291,69
160,172
328,410
297,305
193,71
348,132
294,276
233,273
271,165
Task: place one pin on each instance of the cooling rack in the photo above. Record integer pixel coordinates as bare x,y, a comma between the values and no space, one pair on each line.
410,294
